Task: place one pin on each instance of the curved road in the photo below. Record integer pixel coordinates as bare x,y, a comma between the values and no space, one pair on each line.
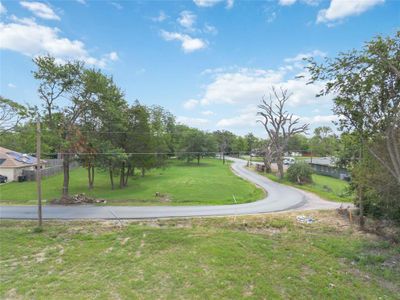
280,198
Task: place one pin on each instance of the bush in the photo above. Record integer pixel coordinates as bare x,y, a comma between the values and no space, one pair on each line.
300,173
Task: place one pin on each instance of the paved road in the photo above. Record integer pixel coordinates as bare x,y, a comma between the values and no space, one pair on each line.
280,198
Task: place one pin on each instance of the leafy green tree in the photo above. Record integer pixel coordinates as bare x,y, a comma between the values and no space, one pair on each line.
225,140
324,142
196,144
366,85
11,114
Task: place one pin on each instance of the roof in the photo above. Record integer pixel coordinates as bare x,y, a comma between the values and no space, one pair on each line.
13,159
323,161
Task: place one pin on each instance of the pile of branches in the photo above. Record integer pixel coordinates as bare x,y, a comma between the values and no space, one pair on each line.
77,199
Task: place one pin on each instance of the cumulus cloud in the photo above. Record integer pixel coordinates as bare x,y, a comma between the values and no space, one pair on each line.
3,9
187,19
195,122
40,10
160,18
320,119
243,89
339,9
190,104
301,56
287,2
29,38
113,56
207,113
210,29
188,43
211,3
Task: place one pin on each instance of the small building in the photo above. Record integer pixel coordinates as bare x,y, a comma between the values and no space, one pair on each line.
326,166
13,164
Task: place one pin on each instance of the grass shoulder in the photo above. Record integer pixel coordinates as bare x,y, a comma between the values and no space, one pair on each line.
179,183
326,187
198,258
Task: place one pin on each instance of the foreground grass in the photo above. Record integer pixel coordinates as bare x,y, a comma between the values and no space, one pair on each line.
324,186
178,183
259,257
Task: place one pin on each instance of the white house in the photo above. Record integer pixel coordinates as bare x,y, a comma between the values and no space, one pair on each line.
12,164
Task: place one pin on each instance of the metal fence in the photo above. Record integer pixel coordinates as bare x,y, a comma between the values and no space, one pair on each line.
55,167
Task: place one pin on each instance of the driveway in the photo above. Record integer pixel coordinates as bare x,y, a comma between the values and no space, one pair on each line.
280,198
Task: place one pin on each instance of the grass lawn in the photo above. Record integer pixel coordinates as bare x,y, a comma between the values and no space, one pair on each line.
260,257
180,183
254,158
324,186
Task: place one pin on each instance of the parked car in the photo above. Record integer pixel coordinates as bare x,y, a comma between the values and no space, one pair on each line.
289,161
3,179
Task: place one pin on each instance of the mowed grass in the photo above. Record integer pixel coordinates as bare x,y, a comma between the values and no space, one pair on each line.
326,187
258,257
179,183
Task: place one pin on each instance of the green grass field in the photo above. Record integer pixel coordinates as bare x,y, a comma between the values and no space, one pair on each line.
324,186
258,257
180,183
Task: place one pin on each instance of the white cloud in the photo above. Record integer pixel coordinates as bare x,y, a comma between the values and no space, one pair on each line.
113,56
11,85
211,3
210,29
116,5
243,89
190,104
196,122
339,9
160,18
229,3
207,113
320,119
81,1
29,38
301,56
188,45
187,19
3,9
287,2
40,10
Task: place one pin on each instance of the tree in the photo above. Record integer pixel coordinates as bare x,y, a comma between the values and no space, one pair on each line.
251,142
11,114
366,85
324,142
224,141
279,124
196,144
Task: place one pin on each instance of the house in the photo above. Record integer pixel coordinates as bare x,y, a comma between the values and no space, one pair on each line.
326,166
13,164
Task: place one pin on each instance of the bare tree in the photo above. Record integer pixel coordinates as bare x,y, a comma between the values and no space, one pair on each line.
268,155
279,124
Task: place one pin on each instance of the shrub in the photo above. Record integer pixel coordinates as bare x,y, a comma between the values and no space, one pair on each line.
300,172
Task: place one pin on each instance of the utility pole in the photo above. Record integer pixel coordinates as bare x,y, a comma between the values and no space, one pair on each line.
38,171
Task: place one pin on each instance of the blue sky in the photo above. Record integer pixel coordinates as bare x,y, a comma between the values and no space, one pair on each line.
209,62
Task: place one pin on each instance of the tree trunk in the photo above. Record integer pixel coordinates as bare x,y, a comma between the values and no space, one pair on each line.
198,159
223,157
143,171
111,178
89,169
122,176
66,175
267,164
92,179
279,162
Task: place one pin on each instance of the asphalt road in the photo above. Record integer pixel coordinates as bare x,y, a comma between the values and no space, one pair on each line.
280,198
